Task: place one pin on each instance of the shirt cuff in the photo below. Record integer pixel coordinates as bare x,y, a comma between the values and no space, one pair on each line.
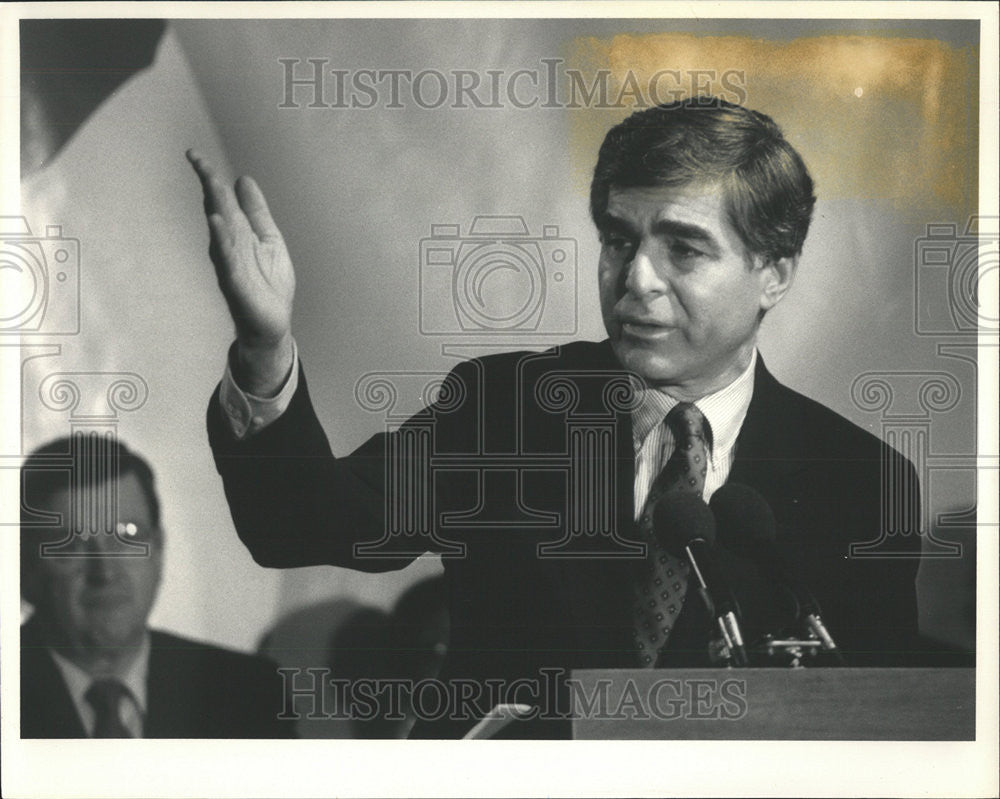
248,414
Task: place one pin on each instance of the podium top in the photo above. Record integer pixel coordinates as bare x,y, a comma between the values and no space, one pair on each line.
832,704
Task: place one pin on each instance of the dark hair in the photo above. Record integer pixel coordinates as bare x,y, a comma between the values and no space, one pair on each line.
90,459
769,193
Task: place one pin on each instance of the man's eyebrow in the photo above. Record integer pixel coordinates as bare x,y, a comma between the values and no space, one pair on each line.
670,227
608,221
684,230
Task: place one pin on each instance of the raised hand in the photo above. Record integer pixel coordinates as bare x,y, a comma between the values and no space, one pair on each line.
255,274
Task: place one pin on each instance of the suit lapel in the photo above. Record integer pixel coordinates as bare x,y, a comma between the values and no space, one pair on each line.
768,449
174,698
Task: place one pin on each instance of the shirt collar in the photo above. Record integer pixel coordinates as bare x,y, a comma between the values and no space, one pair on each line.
725,409
132,675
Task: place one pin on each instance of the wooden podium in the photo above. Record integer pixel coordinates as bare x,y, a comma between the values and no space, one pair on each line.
833,704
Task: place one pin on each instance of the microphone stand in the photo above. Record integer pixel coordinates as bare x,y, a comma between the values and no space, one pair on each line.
735,653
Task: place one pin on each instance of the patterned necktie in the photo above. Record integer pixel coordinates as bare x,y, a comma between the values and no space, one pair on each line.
661,589
105,696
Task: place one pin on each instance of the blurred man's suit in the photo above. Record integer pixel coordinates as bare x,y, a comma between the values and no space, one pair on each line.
514,612
193,691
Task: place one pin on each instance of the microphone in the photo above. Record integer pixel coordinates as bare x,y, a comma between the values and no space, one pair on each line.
685,527
747,525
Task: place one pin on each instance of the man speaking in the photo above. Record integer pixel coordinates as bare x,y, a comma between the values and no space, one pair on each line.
559,485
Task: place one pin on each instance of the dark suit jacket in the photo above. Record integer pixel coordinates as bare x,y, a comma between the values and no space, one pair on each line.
514,612
193,691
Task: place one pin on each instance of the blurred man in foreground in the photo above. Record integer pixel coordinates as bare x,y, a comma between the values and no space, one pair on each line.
90,665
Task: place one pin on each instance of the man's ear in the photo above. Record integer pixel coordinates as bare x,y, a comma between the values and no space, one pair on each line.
776,275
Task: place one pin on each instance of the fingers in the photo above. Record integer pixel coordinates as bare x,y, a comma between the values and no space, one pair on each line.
219,197
204,175
220,249
222,239
254,206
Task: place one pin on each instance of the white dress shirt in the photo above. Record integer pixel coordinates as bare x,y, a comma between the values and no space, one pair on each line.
248,414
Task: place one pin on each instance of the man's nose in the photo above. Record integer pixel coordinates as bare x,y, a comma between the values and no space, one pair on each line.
642,278
102,566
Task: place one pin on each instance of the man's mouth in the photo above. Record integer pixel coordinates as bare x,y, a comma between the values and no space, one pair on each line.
648,330
105,599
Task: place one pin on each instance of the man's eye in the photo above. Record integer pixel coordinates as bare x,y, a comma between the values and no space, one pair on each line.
684,251
616,244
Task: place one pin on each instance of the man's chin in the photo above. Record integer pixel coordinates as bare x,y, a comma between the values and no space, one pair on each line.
650,365
113,631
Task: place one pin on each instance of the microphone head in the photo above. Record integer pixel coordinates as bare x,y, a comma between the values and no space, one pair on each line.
747,527
680,519
743,517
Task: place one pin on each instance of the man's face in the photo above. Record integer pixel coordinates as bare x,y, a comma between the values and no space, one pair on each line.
95,602
680,296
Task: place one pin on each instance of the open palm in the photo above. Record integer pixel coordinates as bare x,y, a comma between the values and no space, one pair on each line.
251,261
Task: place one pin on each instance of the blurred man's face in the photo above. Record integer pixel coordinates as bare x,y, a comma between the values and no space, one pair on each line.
680,296
95,602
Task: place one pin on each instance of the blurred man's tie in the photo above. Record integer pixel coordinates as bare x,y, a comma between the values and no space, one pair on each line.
106,696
